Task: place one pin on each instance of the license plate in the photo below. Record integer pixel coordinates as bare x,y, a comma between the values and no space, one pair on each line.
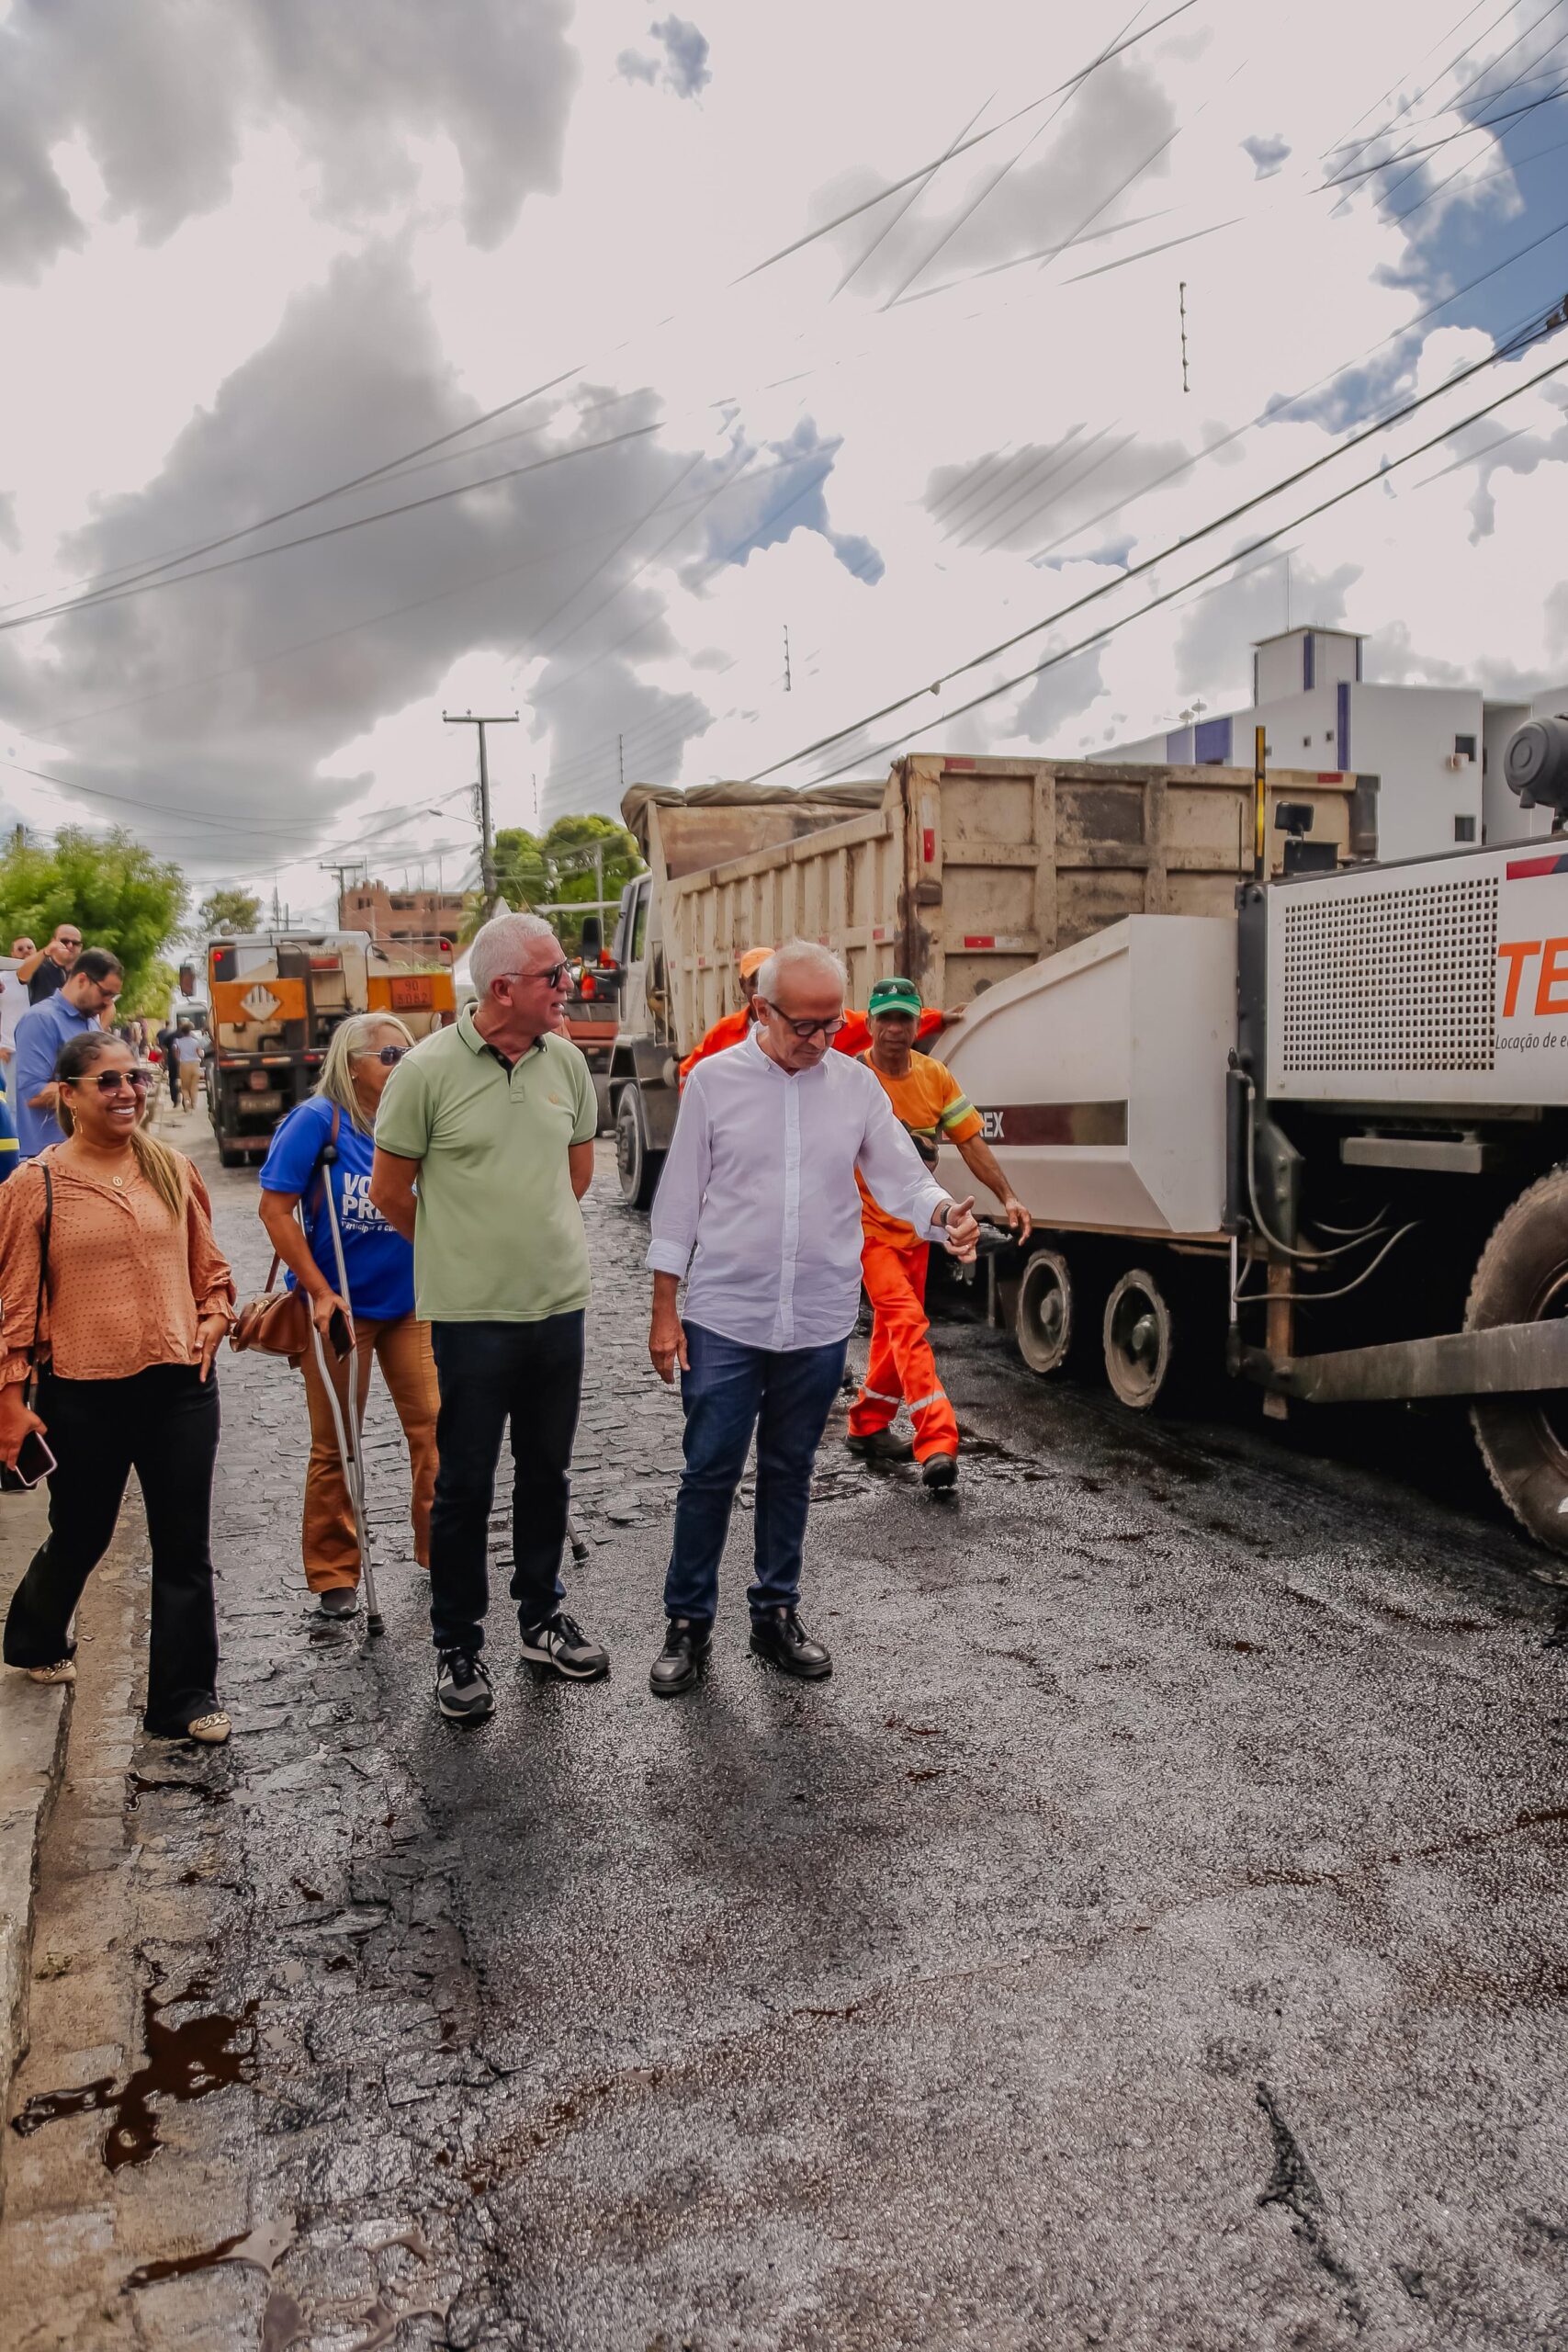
271,1103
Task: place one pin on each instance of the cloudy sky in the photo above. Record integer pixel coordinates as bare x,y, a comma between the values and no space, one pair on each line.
671,336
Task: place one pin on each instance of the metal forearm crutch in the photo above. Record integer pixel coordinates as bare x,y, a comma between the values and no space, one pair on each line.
350,1456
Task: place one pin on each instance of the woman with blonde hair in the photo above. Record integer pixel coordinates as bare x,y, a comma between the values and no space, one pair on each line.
336,1125
114,1299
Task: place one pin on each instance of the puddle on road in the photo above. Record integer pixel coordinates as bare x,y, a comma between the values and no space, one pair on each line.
142,1784
184,2062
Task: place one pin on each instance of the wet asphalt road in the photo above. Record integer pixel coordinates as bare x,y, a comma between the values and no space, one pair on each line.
1152,1936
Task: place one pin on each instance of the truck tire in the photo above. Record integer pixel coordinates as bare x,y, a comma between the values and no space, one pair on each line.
1522,1277
637,1166
1139,1335
1047,1317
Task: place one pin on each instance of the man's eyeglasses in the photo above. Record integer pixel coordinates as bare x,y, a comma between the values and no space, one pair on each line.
109,1081
389,1055
552,975
805,1030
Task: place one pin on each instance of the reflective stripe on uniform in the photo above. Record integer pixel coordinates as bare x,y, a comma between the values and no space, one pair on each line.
920,1403
883,1397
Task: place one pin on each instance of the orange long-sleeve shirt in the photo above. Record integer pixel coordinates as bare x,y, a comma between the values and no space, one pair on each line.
126,1283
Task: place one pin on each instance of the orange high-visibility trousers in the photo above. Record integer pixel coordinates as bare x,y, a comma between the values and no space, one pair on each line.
901,1366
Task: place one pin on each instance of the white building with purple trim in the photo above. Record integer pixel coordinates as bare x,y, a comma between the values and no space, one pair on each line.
1436,752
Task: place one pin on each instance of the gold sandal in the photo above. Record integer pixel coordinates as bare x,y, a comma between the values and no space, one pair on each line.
212,1730
63,1671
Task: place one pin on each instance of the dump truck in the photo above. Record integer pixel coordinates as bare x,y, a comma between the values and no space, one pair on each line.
1317,1138
958,872
275,997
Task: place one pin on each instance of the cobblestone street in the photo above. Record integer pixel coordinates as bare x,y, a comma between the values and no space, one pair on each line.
1150,1937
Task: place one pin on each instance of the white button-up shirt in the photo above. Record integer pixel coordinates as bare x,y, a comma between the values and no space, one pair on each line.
760,1183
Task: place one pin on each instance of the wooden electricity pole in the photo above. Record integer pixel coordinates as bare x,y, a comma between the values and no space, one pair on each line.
487,841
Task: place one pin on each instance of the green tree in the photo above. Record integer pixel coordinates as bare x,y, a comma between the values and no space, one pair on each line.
531,871
116,893
150,995
238,908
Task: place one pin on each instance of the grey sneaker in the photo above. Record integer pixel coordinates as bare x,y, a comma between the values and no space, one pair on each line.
463,1689
560,1646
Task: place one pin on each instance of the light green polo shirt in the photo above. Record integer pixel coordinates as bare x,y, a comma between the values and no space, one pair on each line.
498,1234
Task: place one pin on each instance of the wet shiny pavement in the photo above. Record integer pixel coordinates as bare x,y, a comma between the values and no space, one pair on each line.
1151,1936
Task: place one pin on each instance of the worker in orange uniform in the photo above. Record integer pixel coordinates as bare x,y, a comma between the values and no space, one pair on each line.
731,1027
929,1101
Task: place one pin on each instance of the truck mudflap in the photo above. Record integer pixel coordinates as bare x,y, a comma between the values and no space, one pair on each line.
1510,1359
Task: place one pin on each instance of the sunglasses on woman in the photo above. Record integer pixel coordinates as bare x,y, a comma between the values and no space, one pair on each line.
109,1081
388,1055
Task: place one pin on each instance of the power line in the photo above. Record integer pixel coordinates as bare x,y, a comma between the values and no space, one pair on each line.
1221,522
147,583
826,228
1112,628
1276,410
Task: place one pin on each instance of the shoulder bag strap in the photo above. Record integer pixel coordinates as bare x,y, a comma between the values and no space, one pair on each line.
45,1232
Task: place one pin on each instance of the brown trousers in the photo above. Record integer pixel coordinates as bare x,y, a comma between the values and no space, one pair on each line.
402,1349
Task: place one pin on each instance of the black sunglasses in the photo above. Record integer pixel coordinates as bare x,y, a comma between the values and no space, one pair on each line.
109,1081
391,1055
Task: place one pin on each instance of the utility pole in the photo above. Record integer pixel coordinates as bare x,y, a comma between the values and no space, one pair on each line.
786,658
621,761
1182,301
487,845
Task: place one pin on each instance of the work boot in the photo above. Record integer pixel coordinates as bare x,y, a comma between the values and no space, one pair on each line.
560,1646
463,1689
938,1472
778,1636
687,1641
881,1445
339,1601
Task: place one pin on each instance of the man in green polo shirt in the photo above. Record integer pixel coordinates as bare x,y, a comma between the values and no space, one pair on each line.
484,1146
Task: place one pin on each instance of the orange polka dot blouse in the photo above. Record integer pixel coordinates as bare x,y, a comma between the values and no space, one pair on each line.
127,1282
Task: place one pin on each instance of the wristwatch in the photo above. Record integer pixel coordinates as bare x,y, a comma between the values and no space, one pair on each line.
941,1216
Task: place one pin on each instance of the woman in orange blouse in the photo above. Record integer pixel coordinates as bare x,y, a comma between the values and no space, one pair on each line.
135,1300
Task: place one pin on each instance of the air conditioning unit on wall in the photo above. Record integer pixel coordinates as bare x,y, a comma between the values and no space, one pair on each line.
1459,760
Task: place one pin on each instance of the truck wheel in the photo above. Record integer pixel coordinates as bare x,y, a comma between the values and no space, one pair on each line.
1140,1339
232,1155
1522,1277
635,1164
1046,1318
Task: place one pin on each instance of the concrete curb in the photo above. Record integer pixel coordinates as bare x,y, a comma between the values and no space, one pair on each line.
34,1724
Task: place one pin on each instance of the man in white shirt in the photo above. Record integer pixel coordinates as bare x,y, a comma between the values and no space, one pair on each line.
760,1183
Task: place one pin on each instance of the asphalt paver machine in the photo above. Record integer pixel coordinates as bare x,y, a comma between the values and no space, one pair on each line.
1324,1138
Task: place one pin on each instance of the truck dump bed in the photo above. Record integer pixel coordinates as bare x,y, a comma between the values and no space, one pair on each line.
958,872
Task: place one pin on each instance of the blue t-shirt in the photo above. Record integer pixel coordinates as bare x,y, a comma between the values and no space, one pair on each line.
379,1262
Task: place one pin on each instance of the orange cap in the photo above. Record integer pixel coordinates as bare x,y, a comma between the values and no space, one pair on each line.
753,961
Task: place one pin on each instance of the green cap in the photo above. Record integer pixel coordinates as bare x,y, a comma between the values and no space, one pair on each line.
894,996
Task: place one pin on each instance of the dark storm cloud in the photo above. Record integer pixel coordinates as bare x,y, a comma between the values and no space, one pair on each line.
163,95
211,698
1106,148
683,67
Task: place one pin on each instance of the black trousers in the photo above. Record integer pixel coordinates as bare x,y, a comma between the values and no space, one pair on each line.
161,1423
490,1373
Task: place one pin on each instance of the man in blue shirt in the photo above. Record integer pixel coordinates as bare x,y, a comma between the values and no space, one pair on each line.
91,986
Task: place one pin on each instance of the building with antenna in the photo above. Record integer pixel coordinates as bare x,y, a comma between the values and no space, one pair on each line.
1436,752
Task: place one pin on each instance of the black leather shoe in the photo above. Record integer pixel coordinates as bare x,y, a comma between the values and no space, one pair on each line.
679,1663
778,1636
938,1472
882,1445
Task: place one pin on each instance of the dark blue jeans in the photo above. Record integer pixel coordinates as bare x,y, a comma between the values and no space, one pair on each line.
529,1374
785,1395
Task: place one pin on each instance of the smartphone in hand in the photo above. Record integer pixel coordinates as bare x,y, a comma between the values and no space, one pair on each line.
34,1461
